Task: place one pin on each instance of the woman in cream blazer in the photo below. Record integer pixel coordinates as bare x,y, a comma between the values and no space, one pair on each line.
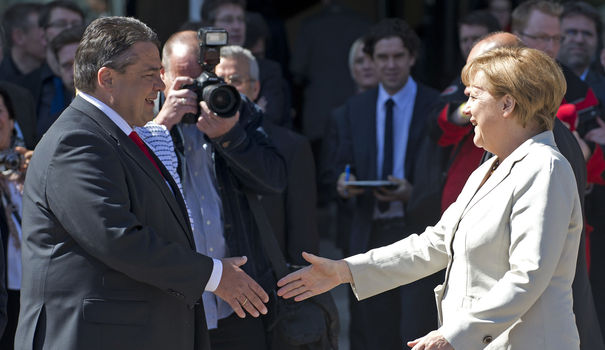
509,243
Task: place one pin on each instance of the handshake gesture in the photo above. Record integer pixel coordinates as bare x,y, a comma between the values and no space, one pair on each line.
323,275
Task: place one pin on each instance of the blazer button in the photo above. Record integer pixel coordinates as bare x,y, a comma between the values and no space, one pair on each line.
487,339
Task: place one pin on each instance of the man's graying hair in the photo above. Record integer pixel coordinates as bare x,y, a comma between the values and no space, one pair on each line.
238,52
106,43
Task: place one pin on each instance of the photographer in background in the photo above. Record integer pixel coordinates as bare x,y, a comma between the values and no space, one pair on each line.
292,215
13,164
219,159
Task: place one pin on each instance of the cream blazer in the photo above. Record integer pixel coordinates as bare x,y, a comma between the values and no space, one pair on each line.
510,250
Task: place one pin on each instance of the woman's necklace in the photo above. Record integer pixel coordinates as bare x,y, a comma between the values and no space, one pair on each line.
490,172
494,166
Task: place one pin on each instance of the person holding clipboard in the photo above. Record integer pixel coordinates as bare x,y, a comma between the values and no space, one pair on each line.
382,131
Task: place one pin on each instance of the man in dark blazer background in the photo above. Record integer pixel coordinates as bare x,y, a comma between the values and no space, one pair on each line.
405,313
110,260
291,213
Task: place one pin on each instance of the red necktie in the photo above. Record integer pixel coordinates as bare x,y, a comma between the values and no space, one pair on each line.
135,137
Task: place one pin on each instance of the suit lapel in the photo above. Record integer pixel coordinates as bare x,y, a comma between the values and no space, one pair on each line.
505,168
501,172
177,194
128,146
419,117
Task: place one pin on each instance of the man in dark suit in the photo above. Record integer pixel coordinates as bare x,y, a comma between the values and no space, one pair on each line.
110,257
384,127
292,213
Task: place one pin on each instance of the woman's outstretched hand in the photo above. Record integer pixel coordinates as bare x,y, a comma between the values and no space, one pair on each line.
319,277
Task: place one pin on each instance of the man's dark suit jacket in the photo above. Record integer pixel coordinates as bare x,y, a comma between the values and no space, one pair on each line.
596,81
276,91
110,261
583,302
358,148
292,213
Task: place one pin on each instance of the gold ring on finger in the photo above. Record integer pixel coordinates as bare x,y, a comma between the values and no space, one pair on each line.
245,301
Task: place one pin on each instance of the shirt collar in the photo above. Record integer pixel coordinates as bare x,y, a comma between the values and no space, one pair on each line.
400,96
113,115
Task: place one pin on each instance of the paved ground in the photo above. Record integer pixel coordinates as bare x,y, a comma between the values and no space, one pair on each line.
327,249
340,294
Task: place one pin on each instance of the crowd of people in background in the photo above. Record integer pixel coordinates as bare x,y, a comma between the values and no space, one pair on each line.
318,132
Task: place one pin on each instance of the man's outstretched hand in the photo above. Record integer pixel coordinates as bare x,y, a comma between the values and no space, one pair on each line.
239,290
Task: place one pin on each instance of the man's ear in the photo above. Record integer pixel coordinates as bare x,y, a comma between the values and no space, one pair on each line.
17,36
508,105
163,75
105,78
255,90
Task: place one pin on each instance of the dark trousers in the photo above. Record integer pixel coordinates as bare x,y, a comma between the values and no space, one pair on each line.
12,310
234,333
390,319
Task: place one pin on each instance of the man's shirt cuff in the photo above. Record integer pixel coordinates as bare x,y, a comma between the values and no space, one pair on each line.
215,277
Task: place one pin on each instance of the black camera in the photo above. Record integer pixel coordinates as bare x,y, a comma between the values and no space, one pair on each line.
587,120
222,99
10,161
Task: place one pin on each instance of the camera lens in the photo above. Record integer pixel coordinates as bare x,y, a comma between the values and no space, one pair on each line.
13,161
222,99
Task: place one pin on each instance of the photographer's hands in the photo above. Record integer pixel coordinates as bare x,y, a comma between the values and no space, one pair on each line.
181,101
212,125
27,156
178,102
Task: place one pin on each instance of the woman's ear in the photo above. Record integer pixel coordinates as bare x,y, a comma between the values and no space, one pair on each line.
508,105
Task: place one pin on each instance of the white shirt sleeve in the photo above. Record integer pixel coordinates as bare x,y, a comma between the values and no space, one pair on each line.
215,277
